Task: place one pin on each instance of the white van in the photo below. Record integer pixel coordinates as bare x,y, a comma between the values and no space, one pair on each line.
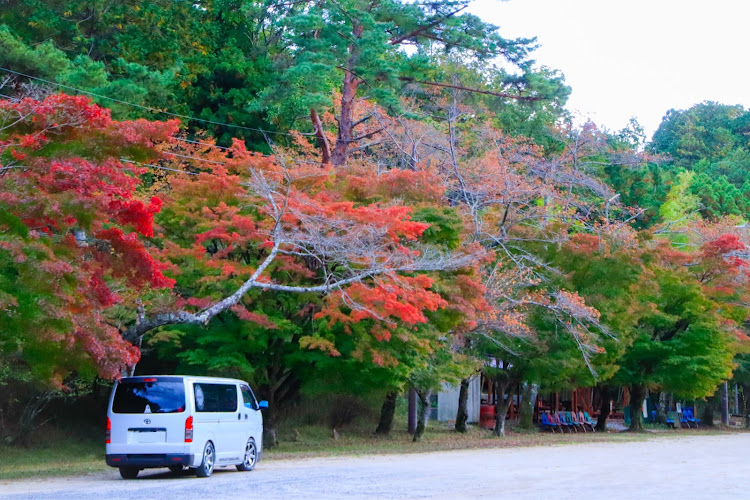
181,421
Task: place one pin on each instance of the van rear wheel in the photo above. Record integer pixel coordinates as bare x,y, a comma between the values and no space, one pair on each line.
209,458
251,457
129,472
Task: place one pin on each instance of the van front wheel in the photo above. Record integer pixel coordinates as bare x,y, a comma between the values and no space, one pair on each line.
129,472
251,457
209,458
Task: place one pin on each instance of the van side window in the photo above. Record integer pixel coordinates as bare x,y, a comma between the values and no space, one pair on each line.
214,398
249,398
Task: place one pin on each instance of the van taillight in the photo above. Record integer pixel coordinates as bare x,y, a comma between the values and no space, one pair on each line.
189,430
109,431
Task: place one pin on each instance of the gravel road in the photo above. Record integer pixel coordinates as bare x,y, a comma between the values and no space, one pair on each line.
693,467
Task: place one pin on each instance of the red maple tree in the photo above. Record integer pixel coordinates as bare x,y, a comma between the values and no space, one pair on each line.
74,229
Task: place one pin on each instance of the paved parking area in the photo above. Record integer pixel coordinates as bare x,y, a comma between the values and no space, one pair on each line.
688,467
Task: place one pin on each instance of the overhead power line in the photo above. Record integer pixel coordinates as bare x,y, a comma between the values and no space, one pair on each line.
194,158
151,165
201,143
140,106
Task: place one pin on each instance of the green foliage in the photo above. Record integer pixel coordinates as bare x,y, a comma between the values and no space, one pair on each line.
644,186
126,81
265,65
237,348
44,59
608,280
154,33
445,226
718,197
709,139
706,131
741,374
533,119
680,346
681,206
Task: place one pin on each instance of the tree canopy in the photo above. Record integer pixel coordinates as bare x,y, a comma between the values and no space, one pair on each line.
372,195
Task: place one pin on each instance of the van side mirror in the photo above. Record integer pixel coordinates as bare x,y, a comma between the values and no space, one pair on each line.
263,404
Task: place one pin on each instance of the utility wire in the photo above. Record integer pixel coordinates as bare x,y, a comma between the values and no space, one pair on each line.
147,108
199,142
158,166
251,153
194,158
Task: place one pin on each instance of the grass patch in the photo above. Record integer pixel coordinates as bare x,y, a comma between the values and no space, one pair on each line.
315,441
56,455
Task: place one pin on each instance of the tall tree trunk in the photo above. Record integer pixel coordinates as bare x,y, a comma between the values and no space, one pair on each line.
348,94
462,415
725,403
501,406
737,399
526,405
424,413
708,412
325,147
746,407
637,393
386,414
270,438
605,394
661,408
412,410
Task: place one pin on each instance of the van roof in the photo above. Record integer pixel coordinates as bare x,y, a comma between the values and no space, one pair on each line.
141,378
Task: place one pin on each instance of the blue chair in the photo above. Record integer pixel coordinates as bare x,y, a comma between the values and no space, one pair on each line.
559,419
691,418
546,424
589,421
565,416
571,416
587,418
696,420
683,419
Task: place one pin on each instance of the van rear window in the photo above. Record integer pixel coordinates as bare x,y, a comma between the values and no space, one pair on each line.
166,396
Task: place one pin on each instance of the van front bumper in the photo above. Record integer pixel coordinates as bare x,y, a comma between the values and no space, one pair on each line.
149,460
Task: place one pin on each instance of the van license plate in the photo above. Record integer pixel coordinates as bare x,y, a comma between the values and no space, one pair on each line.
147,436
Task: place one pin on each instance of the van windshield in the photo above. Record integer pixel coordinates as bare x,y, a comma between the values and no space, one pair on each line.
161,396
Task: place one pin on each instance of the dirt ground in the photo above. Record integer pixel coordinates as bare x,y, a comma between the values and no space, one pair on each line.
695,467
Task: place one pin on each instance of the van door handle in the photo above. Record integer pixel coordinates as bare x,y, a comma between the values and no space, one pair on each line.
245,416
239,417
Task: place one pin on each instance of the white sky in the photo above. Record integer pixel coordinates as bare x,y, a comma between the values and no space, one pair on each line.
635,58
